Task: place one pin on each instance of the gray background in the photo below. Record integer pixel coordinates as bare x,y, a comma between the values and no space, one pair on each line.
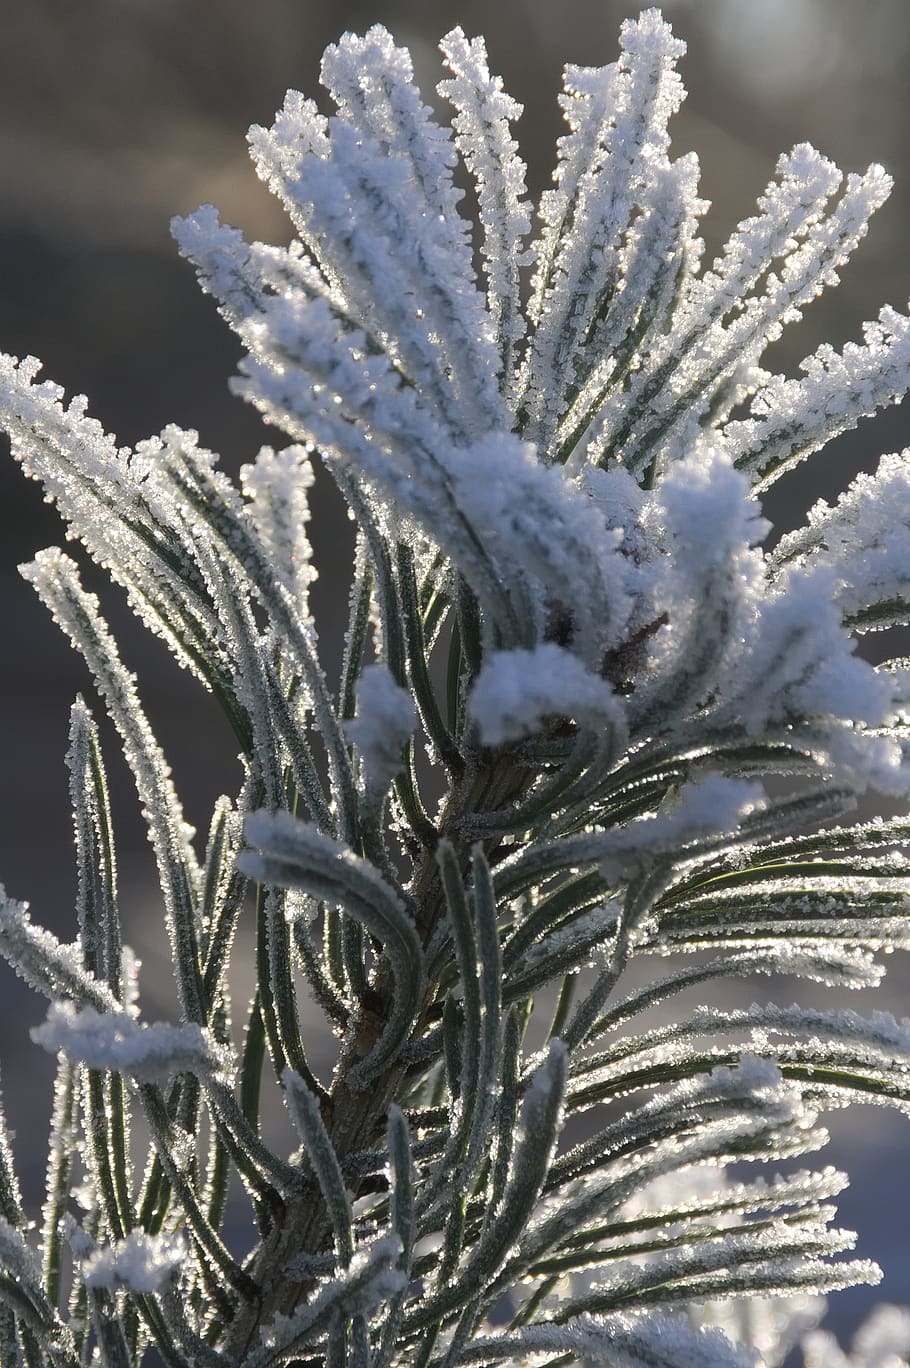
114,114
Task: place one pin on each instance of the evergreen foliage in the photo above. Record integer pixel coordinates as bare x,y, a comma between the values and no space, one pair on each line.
560,596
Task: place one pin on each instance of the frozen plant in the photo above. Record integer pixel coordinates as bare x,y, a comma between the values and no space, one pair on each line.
560,595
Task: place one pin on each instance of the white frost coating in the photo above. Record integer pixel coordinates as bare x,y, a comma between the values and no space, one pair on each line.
299,131
56,579
599,924
863,760
143,1263
283,835
766,1258
115,1040
618,119
16,1256
706,585
754,1082
798,663
788,209
384,722
792,418
661,248
709,515
863,538
517,690
772,649
770,1325
879,1034
134,529
520,532
711,575
621,502
371,191
481,124
370,80
277,484
650,1341
541,525
46,964
753,1072
78,1239
712,806
371,1279
719,338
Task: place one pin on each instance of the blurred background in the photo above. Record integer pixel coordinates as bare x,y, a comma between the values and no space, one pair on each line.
116,114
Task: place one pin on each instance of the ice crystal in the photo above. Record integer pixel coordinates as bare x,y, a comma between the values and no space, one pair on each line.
382,726
140,1262
115,1040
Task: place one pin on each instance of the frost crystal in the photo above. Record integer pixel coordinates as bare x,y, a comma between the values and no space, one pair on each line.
141,1262
382,726
115,1040
276,484
517,690
583,714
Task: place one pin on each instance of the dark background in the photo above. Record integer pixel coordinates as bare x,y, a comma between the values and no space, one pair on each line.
115,114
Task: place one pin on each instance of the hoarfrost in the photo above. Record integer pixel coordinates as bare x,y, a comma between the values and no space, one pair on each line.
383,724
116,1040
517,690
143,1263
